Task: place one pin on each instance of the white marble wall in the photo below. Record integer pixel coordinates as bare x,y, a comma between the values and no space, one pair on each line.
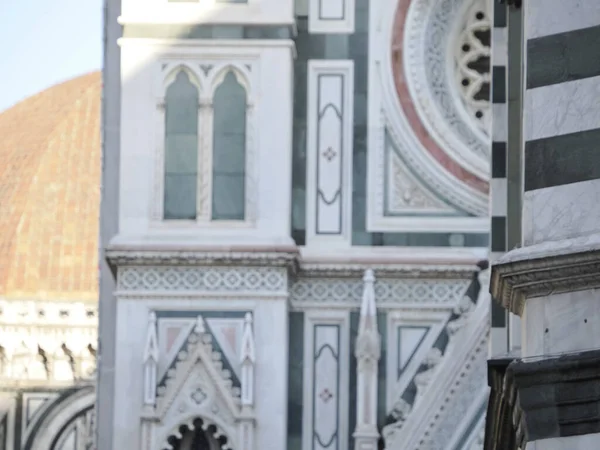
248,12
269,136
561,212
561,323
270,319
545,17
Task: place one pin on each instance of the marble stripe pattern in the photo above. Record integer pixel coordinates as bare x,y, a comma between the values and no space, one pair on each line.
562,97
498,183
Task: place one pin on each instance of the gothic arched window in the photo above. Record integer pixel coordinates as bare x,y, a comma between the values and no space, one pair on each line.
229,150
181,149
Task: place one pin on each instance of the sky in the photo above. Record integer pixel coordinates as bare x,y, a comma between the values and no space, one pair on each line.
46,42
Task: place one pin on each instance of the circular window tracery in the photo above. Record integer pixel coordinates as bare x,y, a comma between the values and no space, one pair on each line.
472,64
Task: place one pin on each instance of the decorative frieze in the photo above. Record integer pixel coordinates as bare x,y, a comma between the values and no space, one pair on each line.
329,151
389,292
205,279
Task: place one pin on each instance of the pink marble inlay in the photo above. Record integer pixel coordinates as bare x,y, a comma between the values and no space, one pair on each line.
229,333
411,113
171,334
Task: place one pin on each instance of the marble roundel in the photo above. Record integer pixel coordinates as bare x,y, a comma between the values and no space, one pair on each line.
440,62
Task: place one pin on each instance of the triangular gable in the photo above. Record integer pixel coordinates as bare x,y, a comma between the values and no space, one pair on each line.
199,353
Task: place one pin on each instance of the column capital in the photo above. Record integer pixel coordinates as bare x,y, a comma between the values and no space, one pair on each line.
544,269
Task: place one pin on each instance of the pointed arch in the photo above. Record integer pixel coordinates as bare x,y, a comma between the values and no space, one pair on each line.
181,112
230,104
175,70
215,430
240,73
57,421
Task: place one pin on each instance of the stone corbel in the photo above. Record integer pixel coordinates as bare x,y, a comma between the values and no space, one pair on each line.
545,269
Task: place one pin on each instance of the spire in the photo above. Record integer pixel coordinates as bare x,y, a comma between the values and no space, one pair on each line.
367,341
368,310
247,360
200,328
150,362
151,349
368,351
248,341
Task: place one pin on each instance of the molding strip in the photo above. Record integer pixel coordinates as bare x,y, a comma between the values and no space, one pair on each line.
331,16
185,31
329,151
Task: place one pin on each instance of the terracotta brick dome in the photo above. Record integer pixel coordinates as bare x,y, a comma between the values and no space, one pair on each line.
50,163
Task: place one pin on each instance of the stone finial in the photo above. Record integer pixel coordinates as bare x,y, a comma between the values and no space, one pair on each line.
367,307
200,328
150,362
247,358
151,348
248,349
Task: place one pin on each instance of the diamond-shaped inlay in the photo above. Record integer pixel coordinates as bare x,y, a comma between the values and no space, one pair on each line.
326,395
198,396
329,154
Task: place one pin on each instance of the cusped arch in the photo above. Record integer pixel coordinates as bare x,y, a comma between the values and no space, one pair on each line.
57,418
171,75
241,76
222,434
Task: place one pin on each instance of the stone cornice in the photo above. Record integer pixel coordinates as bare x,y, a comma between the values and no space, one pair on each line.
544,269
345,265
129,255
350,270
555,396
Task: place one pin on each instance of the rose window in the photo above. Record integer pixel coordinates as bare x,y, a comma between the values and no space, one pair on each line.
472,64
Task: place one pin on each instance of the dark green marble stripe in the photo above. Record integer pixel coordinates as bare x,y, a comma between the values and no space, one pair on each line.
563,57
560,160
295,380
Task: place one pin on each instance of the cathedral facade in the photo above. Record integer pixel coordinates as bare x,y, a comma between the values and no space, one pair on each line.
293,236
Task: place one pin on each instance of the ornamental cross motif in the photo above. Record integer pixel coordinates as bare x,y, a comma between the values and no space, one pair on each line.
198,396
329,154
326,395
